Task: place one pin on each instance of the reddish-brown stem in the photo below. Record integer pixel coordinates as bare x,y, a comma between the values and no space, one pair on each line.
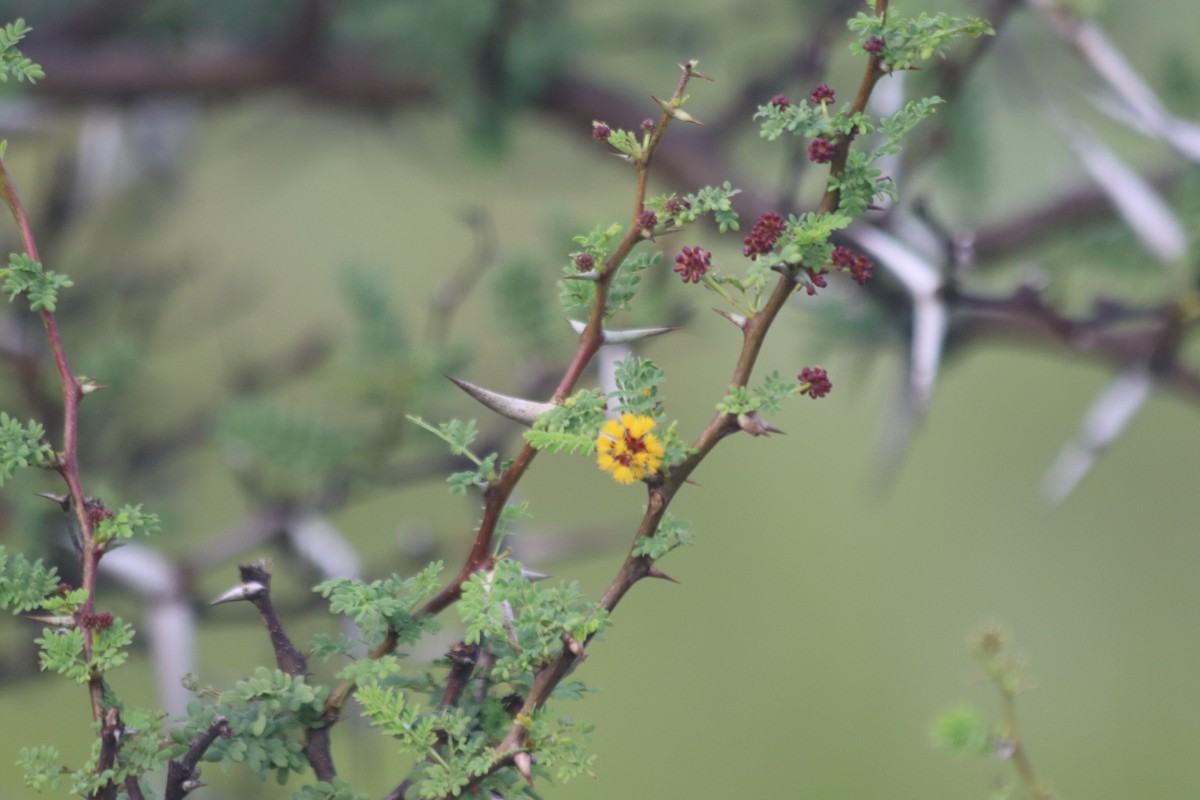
497,494
68,458
634,568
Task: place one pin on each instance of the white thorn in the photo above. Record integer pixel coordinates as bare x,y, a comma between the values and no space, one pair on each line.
515,408
243,591
1109,414
623,337
736,319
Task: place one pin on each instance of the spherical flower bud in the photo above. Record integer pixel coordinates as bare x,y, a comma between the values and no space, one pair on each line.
780,101
584,262
601,132
821,94
646,220
815,382
693,263
874,45
763,236
821,151
647,125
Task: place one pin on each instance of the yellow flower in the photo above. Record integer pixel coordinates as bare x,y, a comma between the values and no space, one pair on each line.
627,450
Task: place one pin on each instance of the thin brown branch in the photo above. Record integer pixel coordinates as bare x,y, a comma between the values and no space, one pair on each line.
182,771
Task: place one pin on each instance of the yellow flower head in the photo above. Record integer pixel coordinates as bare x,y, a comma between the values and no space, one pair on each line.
627,450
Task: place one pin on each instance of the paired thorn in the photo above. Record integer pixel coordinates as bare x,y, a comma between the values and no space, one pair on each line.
625,336
515,408
674,112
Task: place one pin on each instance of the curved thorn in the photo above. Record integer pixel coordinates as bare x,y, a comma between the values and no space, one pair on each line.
626,336
590,275
243,591
655,572
515,408
736,319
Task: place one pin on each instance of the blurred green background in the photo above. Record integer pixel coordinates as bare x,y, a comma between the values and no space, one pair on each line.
823,616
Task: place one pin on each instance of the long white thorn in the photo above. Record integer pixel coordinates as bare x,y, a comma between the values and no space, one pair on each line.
515,408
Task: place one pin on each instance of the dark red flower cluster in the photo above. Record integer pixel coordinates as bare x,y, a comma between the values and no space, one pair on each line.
97,621
821,151
821,94
816,280
601,132
874,45
96,512
647,125
584,262
677,205
780,101
646,220
692,263
859,266
763,235
815,382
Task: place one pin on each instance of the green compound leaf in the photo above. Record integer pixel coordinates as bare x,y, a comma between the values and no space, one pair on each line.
22,446
386,604
25,584
908,41
11,60
24,276
766,397
126,523
672,533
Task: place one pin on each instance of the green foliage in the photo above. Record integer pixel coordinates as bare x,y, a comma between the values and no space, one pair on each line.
11,60
464,754
671,533
383,605
24,276
126,523
562,748
962,731
908,41
459,435
572,426
637,381
765,397
24,584
140,752
624,284
41,767
715,200
338,789
63,650
805,240
22,446
526,621
267,715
